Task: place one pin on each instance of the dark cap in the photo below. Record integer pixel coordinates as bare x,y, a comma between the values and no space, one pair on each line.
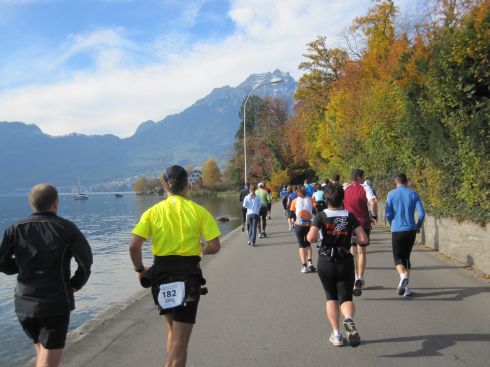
175,173
356,172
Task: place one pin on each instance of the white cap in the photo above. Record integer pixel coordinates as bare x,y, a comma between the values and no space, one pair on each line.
261,184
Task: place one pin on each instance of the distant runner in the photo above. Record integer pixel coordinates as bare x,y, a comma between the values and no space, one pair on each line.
400,209
253,205
336,263
264,199
244,192
303,208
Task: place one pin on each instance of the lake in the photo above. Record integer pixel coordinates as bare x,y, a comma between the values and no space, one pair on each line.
106,222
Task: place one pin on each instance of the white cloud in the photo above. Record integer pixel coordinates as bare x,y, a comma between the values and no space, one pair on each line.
117,96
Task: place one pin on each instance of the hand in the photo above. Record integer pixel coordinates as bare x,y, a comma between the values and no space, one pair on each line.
417,230
374,221
139,275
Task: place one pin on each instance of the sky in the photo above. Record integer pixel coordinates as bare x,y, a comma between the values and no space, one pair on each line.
105,66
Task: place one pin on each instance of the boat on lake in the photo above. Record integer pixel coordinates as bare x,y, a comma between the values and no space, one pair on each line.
118,195
77,194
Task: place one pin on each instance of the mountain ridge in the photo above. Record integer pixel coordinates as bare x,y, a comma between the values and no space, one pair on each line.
204,129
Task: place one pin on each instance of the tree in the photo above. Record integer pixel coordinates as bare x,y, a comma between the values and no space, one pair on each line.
211,174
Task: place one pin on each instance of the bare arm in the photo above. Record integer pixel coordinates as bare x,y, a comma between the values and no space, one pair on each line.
135,251
211,247
312,235
374,209
361,235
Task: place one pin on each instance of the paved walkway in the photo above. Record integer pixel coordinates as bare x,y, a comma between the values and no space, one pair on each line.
261,311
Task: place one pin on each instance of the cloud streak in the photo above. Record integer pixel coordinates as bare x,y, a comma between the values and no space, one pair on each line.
120,90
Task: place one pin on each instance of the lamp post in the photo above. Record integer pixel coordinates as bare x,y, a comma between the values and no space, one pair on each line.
272,81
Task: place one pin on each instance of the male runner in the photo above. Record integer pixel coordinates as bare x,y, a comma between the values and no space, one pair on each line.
400,209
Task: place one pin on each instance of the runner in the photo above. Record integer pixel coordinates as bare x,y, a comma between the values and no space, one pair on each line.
400,209
291,214
244,192
269,202
264,199
355,201
175,226
253,204
309,189
319,197
303,208
284,198
336,264
39,249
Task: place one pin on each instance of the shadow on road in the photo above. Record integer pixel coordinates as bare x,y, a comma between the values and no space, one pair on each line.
431,344
442,294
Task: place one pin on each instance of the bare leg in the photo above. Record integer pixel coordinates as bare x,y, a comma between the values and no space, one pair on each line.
302,255
168,323
47,357
361,261
308,252
353,251
177,355
347,308
333,313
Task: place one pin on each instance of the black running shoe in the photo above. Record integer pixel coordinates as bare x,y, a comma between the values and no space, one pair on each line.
352,334
357,287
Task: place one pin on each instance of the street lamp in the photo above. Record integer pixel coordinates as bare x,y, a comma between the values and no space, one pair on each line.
272,81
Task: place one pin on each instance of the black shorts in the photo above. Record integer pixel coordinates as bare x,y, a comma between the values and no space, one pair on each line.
50,332
269,206
291,214
285,203
337,278
354,238
185,313
402,244
301,232
263,213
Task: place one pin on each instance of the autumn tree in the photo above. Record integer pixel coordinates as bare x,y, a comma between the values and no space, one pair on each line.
211,174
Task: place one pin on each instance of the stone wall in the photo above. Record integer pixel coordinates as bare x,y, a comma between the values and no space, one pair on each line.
466,242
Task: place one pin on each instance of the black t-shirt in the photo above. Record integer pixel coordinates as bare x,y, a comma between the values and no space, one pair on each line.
336,227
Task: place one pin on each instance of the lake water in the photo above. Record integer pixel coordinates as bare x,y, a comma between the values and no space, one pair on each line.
106,222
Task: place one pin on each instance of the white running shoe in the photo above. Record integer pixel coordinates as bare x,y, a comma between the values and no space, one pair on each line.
336,340
401,286
408,291
304,269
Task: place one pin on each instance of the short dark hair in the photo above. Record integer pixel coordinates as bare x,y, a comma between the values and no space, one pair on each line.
42,197
401,178
334,194
175,178
336,177
356,172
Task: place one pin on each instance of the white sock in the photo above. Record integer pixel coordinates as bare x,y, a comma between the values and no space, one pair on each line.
336,332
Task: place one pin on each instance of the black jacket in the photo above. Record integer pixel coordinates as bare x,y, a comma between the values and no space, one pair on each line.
39,248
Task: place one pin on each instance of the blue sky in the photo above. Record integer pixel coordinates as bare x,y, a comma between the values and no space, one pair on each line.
104,66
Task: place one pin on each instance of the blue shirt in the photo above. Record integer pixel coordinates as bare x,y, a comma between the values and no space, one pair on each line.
309,190
400,209
252,203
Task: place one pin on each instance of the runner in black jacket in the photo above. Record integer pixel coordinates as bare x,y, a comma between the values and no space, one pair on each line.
39,249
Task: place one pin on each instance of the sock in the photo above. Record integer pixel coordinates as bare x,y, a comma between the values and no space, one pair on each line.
304,264
309,261
348,317
336,332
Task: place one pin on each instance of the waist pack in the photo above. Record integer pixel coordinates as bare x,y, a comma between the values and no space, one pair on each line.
334,254
168,270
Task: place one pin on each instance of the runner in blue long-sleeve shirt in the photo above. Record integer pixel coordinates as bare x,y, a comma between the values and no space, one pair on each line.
400,209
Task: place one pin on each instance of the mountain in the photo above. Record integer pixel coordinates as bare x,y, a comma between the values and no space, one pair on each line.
205,129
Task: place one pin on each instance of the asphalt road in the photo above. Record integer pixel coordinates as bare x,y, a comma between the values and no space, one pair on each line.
261,311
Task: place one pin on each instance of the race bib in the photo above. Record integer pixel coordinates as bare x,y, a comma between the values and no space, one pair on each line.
171,295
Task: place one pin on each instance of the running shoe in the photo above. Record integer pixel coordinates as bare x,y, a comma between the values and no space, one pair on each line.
352,334
311,268
408,291
260,235
253,244
249,243
243,228
290,228
336,340
269,217
304,269
357,287
401,286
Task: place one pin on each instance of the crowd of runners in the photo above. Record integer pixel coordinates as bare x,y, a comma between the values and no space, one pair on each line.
340,218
